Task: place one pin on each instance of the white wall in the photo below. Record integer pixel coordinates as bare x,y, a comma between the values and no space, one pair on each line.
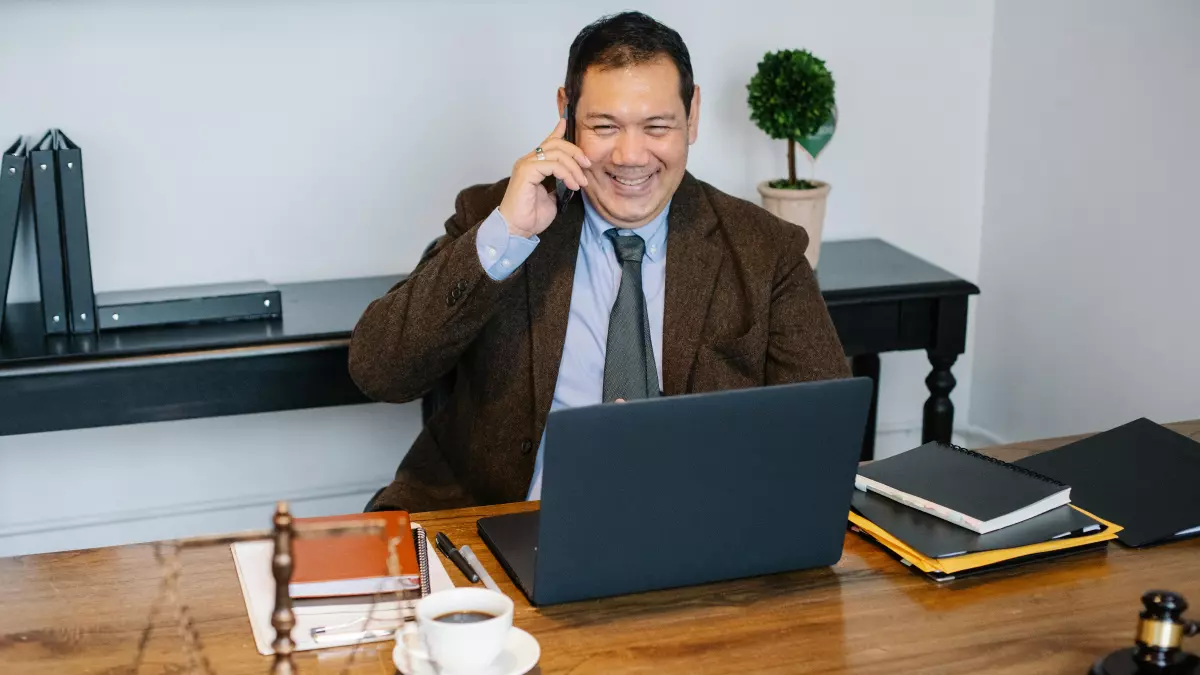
1090,313
295,141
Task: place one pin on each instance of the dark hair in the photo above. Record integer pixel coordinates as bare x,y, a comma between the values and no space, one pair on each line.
626,39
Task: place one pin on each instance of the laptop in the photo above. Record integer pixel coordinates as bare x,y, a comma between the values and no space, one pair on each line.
683,490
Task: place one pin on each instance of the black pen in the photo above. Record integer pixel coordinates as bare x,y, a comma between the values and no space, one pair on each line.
448,550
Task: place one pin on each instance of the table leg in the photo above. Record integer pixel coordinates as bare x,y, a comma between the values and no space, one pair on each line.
939,410
867,365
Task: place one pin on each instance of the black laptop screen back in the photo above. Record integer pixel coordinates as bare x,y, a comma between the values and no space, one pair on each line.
693,489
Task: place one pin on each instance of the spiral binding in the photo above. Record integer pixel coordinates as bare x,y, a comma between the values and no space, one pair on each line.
1009,465
423,560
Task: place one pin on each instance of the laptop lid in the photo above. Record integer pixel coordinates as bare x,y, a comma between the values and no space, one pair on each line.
683,490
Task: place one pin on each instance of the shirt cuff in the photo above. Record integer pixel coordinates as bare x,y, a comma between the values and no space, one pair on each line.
500,253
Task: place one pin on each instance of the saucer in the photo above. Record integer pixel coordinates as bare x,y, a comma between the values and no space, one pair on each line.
519,656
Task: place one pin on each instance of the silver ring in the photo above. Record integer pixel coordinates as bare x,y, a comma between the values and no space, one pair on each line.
540,155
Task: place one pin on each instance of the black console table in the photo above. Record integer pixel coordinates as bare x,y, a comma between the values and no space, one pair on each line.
881,299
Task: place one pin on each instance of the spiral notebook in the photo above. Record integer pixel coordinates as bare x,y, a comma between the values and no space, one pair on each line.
969,489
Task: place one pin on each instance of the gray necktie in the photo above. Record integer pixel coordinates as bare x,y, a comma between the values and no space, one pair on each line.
629,370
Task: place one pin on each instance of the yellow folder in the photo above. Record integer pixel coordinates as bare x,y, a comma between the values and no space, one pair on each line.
983,558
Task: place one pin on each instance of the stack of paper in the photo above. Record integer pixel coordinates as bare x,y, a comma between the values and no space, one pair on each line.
943,551
339,615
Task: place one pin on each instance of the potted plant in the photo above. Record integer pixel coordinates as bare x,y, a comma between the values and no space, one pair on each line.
791,97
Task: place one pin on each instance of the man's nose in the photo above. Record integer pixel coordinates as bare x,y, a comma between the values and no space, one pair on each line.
631,149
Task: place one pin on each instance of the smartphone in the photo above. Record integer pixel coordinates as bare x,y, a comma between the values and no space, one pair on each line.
563,194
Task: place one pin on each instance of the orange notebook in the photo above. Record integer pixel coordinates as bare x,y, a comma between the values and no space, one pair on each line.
354,564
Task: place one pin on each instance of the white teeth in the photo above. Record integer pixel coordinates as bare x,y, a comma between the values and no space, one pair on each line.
631,183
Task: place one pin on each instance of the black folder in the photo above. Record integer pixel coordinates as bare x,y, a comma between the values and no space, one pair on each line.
1140,475
48,237
81,301
12,181
942,577
935,538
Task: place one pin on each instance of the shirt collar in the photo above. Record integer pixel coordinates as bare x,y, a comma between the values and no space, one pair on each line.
654,233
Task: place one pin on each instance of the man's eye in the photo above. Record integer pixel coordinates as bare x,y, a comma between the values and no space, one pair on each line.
657,130
604,129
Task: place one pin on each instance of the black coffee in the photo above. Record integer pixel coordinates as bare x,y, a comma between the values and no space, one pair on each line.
464,617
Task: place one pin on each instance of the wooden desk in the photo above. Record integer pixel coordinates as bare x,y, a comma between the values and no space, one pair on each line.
82,612
881,299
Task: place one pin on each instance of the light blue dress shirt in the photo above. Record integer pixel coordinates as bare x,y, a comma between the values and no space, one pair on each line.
597,278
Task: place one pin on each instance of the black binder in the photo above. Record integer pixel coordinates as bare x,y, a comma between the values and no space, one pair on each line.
1140,475
51,272
188,305
81,301
12,181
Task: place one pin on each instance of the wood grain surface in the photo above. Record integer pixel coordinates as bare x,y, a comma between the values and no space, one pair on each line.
83,612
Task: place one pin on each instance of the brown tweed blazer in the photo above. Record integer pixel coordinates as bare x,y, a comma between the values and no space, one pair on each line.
742,309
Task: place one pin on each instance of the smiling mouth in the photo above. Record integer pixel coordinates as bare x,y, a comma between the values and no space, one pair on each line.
631,182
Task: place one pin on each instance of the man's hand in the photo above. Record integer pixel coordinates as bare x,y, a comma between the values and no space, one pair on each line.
527,207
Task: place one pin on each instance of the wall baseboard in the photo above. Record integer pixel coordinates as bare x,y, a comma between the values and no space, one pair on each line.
179,520
189,509
892,439
978,437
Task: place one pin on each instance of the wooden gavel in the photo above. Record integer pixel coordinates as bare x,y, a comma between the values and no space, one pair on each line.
1159,641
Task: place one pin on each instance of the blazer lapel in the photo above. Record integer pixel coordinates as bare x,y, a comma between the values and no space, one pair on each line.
693,258
551,276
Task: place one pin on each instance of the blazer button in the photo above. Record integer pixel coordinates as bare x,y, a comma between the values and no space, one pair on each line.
462,286
451,300
456,293
526,447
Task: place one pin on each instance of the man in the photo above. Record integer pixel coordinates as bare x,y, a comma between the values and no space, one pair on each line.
648,282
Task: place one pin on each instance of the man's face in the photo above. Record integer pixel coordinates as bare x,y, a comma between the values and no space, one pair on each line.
631,123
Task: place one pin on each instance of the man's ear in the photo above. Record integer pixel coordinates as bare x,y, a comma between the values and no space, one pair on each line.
694,116
562,101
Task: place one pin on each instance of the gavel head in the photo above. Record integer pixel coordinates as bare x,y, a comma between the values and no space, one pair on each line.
1163,605
1161,628
1160,632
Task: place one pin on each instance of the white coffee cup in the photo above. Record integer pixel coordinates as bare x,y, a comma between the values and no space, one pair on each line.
464,647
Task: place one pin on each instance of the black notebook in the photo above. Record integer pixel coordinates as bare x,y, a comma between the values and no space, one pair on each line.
936,538
1140,475
963,487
